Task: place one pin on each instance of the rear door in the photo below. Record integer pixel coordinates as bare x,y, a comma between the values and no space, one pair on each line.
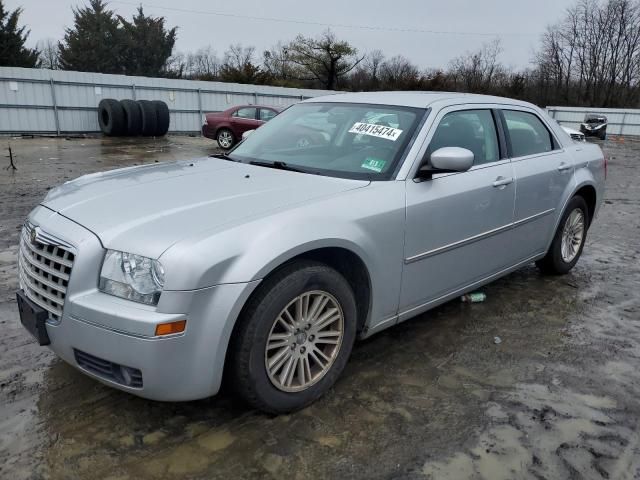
542,171
458,224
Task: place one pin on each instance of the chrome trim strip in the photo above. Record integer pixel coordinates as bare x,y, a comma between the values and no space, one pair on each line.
484,280
380,326
126,333
475,238
532,217
47,238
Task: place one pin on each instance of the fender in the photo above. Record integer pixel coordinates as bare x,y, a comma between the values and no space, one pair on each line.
580,180
372,228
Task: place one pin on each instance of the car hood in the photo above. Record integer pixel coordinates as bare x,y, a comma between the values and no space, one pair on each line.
147,209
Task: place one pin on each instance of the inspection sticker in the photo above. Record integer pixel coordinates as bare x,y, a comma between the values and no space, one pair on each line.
379,131
373,164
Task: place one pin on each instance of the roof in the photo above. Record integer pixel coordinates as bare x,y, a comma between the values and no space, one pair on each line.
413,99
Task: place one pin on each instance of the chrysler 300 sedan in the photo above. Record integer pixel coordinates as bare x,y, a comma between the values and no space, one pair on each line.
266,263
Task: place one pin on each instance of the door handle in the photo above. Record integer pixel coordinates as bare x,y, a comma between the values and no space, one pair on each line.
563,167
502,182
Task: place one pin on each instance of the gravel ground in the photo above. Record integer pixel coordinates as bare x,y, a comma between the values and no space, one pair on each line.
434,397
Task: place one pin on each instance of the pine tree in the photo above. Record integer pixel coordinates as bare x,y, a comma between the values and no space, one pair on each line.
13,53
148,45
94,43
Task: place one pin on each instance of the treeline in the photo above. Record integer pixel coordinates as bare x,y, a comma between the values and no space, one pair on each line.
591,57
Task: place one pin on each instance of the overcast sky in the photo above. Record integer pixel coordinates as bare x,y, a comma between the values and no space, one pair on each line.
434,31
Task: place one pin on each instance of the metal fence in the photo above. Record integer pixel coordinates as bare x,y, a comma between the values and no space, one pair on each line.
38,101
621,121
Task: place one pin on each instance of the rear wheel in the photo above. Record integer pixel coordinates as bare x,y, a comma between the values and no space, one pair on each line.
225,138
294,338
568,240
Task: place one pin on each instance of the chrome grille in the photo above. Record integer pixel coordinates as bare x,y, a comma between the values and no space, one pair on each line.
44,266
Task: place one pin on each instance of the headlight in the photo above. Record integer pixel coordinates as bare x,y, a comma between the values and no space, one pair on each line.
131,276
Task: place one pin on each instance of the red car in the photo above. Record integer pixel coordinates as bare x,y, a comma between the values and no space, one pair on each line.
227,127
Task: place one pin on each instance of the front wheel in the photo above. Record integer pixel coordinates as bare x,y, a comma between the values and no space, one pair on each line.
568,240
294,338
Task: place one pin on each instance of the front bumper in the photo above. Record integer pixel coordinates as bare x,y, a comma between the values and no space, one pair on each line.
187,366
113,332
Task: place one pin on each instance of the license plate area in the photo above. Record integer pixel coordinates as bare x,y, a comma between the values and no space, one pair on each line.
33,318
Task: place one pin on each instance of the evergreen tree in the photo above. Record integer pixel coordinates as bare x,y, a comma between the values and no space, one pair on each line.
94,43
147,45
13,53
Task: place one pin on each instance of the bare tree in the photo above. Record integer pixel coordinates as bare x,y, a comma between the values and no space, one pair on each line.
477,71
203,64
366,76
239,66
48,54
398,73
592,56
278,66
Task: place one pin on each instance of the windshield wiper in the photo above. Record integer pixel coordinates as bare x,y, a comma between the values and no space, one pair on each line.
223,156
278,166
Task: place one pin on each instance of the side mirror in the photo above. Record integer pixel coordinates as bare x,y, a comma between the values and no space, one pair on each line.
448,160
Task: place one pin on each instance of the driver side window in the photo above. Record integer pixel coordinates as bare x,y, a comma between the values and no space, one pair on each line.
474,130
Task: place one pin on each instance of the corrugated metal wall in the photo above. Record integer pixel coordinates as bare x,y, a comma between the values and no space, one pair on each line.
621,121
58,102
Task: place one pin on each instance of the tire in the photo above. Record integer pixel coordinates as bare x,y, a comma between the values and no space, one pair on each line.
149,118
162,118
603,135
225,138
555,262
111,117
133,117
259,321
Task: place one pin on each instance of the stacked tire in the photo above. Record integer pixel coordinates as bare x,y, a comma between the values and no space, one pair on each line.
149,118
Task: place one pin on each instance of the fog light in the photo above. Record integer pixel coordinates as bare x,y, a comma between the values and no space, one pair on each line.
171,328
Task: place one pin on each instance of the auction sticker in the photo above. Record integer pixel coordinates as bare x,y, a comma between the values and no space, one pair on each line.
373,164
379,131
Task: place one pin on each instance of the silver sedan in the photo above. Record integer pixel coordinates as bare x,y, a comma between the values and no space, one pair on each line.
269,261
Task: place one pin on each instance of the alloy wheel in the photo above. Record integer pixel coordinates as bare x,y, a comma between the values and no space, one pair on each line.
572,235
304,341
225,139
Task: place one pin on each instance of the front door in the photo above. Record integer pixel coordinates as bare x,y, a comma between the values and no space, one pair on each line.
458,224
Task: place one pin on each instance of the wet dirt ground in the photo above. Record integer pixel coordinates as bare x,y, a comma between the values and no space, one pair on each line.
434,397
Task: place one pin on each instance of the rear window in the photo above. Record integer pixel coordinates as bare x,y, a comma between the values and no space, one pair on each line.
527,133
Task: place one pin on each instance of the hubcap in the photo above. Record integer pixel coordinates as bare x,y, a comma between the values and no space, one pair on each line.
225,139
572,236
304,341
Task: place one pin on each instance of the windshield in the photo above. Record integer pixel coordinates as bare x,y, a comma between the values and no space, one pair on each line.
336,139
